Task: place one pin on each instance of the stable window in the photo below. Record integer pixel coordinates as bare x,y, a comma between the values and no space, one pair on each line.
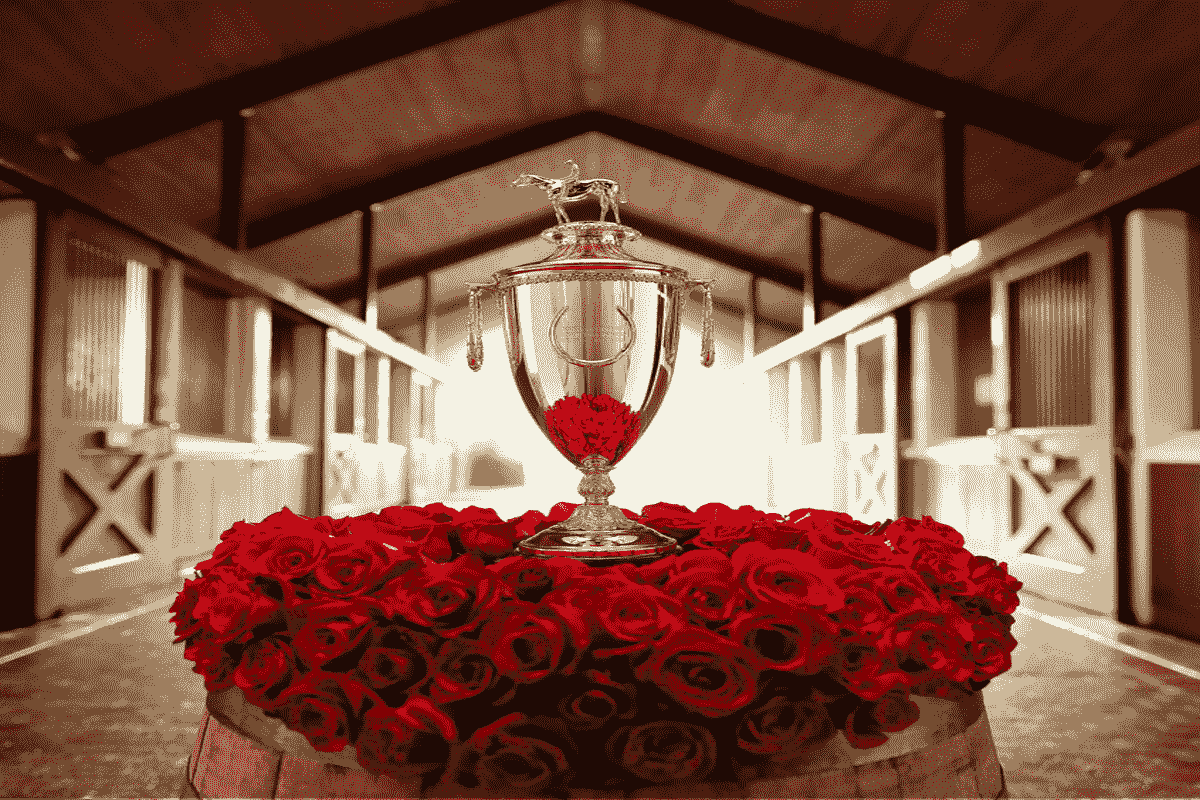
973,361
1050,335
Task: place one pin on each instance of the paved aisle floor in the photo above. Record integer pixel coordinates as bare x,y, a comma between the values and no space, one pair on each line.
114,712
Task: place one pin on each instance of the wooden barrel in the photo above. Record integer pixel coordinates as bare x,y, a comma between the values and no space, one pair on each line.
948,752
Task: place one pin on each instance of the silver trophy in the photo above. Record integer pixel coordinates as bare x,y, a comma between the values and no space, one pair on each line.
591,334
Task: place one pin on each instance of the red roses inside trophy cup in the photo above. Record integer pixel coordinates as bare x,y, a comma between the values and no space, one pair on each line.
591,334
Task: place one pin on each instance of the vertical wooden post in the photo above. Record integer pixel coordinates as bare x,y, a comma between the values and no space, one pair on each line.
1159,248
231,229
248,402
368,272
169,344
833,417
813,271
951,221
934,387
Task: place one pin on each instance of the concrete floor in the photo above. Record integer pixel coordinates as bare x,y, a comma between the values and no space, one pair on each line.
113,712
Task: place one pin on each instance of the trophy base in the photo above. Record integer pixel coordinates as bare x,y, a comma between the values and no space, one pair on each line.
599,534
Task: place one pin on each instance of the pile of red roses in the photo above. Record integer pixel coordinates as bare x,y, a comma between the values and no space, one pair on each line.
587,425
416,636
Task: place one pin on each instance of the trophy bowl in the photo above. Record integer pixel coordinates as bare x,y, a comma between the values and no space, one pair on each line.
592,334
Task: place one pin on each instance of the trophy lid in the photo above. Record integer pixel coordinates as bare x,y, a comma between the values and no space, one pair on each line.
590,246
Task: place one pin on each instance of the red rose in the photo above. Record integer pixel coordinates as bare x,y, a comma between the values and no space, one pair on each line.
529,523
899,589
428,528
354,566
396,658
782,728
526,644
947,534
326,629
934,639
579,602
514,755
864,612
868,724
182,611
325,707
989,651
450,598
703,581
945,571
407,741
835,545
810,520
725,529
673,520
283,546
229,608
867,670
267,666
786,576
587,425
600,700
483,533
704,672
786,638
994,584
212,661
636,613
664,751
460,670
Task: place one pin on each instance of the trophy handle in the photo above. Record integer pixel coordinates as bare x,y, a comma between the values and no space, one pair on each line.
475,325
708,355
583,362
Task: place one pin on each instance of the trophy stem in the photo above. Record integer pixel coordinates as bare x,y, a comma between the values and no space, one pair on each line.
597,532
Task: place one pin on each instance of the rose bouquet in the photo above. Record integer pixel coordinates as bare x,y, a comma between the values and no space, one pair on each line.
416,636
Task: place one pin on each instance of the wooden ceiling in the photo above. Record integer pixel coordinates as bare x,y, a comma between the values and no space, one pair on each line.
727,123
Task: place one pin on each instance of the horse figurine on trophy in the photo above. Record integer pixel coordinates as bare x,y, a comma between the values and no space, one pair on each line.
570,189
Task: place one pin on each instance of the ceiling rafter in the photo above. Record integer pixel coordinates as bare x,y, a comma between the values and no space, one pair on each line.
140,126
406,269
1020,121
500,148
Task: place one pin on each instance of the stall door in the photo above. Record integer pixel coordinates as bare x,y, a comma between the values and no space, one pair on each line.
104,474
871,421
345,423
1052,340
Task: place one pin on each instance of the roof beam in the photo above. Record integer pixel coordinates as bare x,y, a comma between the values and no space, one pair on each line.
1022,122
500,148
141,126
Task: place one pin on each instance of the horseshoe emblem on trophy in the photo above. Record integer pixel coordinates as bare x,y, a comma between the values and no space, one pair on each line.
600,362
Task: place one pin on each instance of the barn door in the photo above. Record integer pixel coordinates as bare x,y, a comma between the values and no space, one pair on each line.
103,475
1053,384
345,423
871,421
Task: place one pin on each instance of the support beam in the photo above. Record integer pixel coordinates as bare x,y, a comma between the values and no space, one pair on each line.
368,293
1020,121
480,154
230,228
951,199
141,126
814,282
